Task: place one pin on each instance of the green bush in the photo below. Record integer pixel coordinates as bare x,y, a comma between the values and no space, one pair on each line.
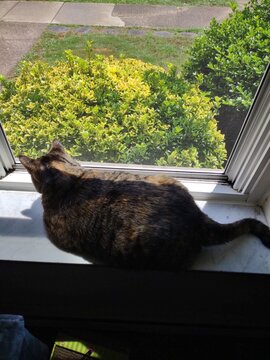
111,110
233,55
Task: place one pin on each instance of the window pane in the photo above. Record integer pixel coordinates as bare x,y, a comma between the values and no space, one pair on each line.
139,96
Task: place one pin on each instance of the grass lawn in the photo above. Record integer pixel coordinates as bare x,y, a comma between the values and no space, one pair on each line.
147,47
154,2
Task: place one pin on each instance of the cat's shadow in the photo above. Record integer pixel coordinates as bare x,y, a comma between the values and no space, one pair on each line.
35,212
31,225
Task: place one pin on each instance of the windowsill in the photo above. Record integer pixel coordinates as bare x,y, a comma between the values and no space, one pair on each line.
20,180
23,237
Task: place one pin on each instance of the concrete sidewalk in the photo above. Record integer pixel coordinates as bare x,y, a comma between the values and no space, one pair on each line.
16,39
22,22
42,12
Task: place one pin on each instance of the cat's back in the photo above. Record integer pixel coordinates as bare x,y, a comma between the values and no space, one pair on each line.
124,185
134,200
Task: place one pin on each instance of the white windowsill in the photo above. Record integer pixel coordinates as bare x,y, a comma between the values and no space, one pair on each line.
20,180
23,237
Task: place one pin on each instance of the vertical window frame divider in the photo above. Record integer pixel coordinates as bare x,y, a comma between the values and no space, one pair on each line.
7,159
248,167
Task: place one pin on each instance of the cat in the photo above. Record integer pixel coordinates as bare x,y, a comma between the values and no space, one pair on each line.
126,220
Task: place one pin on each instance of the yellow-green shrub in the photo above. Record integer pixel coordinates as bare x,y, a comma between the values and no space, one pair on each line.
111,110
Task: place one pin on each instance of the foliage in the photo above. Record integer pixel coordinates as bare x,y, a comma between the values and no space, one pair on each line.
233,55
112,110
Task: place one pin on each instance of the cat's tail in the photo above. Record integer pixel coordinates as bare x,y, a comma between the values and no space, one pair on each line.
217,233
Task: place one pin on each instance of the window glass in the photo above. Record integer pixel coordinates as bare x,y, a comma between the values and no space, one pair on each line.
138,95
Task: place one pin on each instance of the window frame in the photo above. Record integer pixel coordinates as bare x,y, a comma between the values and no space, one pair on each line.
7,159
248,167
247,170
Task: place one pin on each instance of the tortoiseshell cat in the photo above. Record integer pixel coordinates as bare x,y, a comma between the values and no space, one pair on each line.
126,220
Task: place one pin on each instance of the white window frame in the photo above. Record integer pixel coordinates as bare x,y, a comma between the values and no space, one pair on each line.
248,167
7,160
246,177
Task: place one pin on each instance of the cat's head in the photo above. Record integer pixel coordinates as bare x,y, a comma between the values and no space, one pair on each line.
55,166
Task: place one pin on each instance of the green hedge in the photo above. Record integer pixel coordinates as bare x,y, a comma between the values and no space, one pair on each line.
233,55
111,110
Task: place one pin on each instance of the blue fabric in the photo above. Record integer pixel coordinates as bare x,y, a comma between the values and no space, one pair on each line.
16,343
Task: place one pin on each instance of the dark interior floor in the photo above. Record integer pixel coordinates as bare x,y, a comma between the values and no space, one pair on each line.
142,346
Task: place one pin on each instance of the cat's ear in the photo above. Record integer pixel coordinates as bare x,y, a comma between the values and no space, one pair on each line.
56,145
28,163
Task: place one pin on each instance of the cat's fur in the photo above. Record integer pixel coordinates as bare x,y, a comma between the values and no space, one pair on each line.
123,219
